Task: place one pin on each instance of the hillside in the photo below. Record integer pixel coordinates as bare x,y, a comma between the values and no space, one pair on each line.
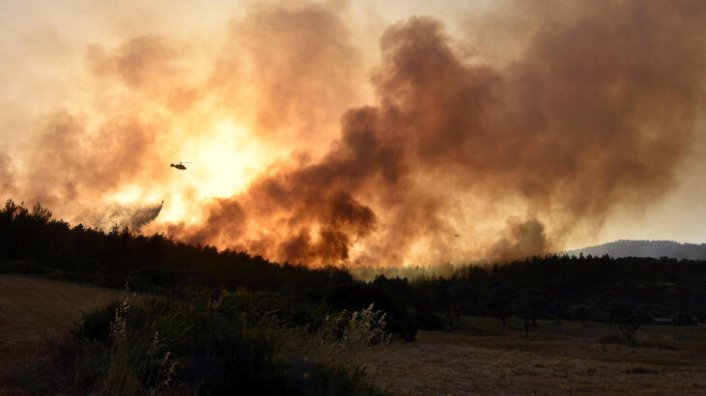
34,311
638,248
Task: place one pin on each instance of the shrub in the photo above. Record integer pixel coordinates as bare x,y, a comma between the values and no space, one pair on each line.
357,328
628,318
168,346
96,325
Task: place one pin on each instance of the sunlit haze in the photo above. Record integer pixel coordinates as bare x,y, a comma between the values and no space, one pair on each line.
382,133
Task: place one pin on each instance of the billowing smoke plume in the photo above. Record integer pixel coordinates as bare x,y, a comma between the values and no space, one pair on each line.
459,157
595,113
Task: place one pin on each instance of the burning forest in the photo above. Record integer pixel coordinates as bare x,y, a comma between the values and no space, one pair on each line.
312,142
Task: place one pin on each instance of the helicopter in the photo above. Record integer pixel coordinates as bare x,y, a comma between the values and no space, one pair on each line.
179,165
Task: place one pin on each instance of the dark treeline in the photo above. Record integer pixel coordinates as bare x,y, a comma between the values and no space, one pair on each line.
574,287
569,287
33,240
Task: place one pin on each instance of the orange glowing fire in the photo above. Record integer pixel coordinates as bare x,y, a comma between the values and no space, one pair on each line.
308,144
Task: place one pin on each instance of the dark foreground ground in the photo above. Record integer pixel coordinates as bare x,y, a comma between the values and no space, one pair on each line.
459,364
35,312
481,358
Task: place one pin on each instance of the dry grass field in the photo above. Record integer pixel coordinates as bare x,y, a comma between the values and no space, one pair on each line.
561,359
35,311
481,358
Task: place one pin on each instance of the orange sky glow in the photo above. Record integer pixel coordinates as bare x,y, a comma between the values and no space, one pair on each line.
361,132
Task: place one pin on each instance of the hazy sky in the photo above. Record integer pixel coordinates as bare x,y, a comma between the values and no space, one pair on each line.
100,96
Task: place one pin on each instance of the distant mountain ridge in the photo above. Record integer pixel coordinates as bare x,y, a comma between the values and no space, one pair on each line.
641,248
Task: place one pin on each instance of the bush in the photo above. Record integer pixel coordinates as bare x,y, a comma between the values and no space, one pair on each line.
356,328
168,346
95,325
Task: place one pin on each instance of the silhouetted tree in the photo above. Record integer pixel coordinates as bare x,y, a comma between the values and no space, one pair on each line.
628,318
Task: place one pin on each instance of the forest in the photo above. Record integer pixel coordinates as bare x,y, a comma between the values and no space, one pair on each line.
330,301
575,287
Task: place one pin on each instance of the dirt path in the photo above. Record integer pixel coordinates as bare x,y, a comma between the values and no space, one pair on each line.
451,364
34,310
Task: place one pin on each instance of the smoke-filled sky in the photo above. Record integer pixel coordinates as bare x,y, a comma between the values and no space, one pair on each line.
361,132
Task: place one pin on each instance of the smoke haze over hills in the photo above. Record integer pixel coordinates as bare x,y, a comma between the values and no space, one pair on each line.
310,143
655,249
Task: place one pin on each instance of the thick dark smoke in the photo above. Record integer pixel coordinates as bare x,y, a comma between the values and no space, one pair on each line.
495,145
597,111
281,72
524,239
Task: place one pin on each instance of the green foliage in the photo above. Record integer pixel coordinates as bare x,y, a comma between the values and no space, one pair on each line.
164,346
